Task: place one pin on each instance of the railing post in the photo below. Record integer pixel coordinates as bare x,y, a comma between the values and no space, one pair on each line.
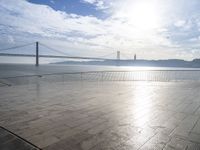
37,54
81,76
102,76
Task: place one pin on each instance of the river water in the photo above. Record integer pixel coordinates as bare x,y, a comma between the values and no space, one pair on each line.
21,73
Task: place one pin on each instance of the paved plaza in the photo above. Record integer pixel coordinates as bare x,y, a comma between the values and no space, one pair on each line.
125,115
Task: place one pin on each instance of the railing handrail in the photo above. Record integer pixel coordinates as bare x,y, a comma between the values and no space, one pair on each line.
103,71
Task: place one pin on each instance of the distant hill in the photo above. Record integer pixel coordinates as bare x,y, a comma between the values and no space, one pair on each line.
141,62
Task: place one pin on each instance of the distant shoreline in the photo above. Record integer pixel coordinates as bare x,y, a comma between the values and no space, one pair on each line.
138,63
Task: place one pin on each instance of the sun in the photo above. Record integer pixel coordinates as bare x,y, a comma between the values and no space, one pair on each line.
144,15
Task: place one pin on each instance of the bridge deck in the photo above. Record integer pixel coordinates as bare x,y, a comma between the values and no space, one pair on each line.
104,115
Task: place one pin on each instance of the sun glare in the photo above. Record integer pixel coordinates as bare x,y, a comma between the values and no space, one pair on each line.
144,15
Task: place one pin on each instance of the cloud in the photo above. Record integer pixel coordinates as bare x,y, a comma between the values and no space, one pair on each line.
46,22
133,26
52,1
180,23
99,4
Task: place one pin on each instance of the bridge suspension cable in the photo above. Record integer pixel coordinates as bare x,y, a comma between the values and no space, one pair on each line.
55,50
37,55
50,48
107,54
124,55
15,47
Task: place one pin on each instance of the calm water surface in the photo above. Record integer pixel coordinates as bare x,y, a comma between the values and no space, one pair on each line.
100,73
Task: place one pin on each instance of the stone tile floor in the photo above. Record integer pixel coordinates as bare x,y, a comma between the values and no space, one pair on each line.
10,141
104,115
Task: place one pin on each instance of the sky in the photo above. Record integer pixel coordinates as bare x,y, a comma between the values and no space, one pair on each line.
152,29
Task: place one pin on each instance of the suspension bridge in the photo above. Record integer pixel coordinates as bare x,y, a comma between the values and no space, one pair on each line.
62,54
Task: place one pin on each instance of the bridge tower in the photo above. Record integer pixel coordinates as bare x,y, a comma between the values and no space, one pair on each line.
37,55
118,55
135,57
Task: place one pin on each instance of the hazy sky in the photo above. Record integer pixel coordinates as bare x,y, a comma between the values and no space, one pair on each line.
153,29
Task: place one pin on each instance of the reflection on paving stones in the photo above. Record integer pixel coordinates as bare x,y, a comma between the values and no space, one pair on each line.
104,115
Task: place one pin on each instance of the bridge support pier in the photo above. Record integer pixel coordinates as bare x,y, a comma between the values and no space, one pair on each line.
37,55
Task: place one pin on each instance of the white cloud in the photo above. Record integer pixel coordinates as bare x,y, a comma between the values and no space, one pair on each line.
180,23
90,1
99,4
52,1
133,27
11,39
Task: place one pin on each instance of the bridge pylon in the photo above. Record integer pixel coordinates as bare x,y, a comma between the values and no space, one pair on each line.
37,55
118,55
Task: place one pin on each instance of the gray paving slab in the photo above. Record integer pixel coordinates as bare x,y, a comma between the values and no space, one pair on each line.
9,141
103,115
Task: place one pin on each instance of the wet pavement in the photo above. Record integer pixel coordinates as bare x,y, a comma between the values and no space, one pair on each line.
104,115
10,141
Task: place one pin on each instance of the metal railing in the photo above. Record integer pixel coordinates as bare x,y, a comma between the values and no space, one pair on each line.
136,75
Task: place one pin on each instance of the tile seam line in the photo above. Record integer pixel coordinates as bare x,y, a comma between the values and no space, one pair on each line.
21,138
7,84
146,141
194,124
